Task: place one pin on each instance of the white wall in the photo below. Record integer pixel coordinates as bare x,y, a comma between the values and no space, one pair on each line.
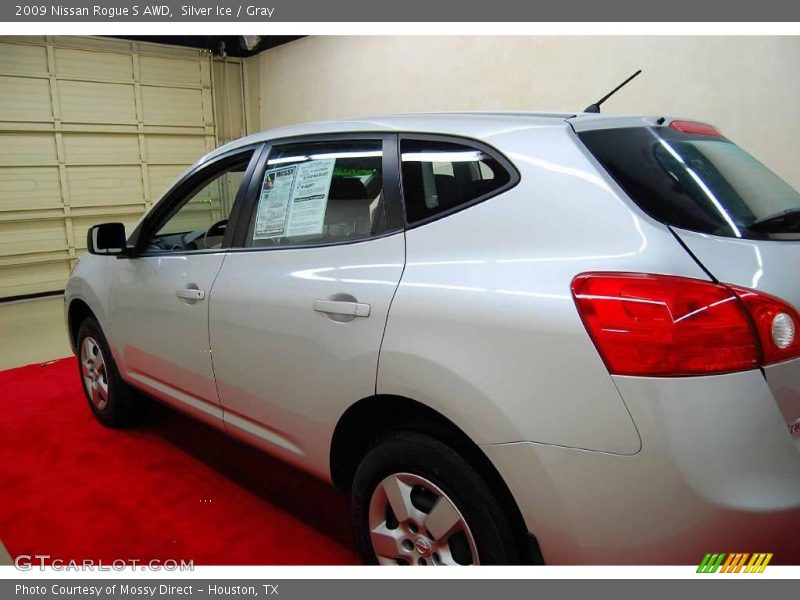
747,86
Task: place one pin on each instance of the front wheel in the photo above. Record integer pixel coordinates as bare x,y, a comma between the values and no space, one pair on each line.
113,402
416,501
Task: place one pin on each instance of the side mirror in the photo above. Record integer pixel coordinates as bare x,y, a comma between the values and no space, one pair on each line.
107,239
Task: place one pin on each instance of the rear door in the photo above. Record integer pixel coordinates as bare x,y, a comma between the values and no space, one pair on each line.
739,219
298,310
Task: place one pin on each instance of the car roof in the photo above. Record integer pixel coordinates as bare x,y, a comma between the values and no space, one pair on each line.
476,124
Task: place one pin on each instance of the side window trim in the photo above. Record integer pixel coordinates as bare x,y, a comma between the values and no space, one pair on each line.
392,185
391,188
513,172
177,194
244,209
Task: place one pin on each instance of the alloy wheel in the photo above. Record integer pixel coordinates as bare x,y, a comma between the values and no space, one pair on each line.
413,522
94,372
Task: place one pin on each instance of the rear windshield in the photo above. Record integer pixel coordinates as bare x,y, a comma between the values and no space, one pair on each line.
697,182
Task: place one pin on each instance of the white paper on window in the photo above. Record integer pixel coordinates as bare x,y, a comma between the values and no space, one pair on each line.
273,204
310,197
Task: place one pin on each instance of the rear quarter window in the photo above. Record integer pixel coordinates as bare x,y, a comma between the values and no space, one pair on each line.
442,176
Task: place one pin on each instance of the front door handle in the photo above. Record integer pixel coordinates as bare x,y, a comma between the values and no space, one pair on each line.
342,307
192,294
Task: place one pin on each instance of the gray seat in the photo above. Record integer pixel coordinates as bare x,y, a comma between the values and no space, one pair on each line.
348,208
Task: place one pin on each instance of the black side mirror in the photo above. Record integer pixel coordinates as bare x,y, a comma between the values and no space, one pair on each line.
107,239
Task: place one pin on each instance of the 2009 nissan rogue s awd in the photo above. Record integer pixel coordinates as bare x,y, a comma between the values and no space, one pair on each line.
512,337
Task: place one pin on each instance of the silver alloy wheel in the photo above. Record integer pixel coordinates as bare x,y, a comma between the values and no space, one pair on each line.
413,522
95,374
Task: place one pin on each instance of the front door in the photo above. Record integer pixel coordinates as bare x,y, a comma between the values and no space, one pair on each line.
159,299
298,313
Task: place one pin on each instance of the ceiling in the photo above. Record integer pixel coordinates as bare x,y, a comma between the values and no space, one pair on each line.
234,45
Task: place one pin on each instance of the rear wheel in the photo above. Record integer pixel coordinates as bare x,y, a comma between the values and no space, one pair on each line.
416,501
113,402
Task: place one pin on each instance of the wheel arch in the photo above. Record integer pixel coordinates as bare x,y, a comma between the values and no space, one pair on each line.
77,312
365,422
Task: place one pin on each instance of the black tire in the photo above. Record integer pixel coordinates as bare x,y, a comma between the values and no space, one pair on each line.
426,457
124,406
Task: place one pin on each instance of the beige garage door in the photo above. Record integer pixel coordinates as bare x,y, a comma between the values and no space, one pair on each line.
91,130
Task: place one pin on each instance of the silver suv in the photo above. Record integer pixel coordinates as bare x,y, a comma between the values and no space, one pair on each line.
512,337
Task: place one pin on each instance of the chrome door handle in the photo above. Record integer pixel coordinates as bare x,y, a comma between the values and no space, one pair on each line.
191,294
341,307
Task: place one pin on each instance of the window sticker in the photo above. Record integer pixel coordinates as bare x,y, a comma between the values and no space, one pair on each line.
309,197
273,205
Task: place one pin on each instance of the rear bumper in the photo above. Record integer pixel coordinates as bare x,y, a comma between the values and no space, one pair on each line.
717,472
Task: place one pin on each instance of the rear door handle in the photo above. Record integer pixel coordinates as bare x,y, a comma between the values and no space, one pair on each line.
191,294
341,307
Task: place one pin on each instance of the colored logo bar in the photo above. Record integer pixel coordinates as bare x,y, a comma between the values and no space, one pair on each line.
734,563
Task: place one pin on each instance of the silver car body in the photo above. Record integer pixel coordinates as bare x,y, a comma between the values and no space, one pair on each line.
472,316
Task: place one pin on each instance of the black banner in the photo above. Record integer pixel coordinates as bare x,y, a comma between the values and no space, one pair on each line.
407,10
395,589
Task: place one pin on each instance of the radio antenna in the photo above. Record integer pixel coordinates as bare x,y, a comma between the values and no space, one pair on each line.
595,108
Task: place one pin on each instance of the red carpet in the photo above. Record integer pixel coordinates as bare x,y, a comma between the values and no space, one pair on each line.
170,489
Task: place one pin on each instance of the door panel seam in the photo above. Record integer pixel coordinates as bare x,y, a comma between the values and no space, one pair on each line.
389,312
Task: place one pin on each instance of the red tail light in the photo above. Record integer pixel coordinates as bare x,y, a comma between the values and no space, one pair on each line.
660,325
695,127
776,323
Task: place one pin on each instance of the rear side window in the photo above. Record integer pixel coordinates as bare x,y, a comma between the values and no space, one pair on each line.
320,193
702,183
440,176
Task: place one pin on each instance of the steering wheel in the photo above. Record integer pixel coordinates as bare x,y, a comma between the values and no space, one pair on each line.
217,229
